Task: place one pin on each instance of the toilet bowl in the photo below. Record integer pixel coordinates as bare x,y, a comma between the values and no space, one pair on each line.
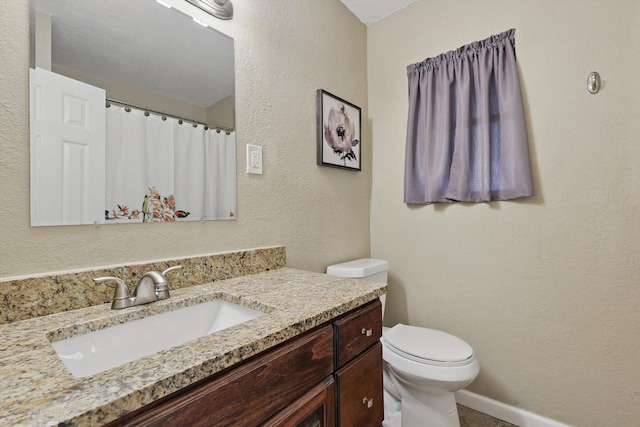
427,366
422,367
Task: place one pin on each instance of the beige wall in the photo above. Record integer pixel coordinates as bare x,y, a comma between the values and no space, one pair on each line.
547,289
222,113
285,51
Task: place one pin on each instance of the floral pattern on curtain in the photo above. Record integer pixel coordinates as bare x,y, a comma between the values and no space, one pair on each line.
466,131
163,171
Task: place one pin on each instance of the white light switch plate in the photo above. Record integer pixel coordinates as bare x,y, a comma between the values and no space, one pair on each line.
254,159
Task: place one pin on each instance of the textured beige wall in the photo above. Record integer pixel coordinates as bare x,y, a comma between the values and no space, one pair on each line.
546,290
285,51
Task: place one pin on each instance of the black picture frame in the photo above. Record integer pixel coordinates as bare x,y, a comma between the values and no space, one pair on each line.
339,128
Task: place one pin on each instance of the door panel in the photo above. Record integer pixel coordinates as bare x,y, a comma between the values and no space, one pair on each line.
67,150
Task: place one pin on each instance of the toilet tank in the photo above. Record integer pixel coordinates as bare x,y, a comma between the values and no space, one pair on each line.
374,270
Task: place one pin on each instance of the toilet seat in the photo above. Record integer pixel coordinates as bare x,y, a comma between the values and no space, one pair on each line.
428,346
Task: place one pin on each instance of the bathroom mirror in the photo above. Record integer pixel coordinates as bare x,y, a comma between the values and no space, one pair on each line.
146,56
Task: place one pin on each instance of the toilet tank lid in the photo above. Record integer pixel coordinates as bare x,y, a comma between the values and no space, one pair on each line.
358,268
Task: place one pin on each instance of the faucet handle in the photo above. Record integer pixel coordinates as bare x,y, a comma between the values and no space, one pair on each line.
175,267
162,291
121,298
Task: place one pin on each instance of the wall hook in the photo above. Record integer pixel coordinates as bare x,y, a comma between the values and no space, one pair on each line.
593,82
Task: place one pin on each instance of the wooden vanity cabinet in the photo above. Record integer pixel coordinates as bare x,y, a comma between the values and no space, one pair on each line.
359,367
329,376
249,394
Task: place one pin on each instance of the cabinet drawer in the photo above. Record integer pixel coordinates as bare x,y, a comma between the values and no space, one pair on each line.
360,390
358,331
250,393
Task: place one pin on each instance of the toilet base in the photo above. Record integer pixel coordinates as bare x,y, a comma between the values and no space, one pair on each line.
393,419
439,410
391,410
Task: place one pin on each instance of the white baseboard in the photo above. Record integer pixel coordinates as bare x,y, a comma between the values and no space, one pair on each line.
505,412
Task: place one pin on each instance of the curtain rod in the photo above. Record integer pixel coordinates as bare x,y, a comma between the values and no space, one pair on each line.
164,116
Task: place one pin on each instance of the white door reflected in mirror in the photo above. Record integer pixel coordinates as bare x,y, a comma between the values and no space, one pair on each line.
67,150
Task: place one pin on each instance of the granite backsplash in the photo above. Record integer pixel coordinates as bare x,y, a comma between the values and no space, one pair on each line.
26,298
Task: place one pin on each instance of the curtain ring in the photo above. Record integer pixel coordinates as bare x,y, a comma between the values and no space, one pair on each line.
179,121
127,109
164,118
108,104
146,113
195,125
218,130
206,127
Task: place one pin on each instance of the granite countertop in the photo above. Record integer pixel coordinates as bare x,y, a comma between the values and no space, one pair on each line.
37,389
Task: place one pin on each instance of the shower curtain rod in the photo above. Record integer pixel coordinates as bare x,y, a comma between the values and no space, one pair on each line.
148,111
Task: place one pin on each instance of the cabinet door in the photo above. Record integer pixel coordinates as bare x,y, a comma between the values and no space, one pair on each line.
360,390
314,409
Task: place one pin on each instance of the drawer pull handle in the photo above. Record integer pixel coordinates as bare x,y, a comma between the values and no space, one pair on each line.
368,401
367,332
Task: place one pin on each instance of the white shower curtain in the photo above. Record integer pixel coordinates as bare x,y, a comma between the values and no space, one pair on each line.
160,170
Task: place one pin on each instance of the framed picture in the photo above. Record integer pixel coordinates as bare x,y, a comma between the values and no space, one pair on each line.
339,132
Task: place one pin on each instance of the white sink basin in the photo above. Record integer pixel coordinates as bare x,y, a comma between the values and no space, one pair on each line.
97,351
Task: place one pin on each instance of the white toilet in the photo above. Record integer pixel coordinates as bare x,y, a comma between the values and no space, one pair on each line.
423,367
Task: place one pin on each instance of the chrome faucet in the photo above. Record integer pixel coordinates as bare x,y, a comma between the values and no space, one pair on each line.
151,287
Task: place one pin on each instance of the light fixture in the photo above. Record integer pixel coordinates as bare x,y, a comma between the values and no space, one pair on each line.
222,9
